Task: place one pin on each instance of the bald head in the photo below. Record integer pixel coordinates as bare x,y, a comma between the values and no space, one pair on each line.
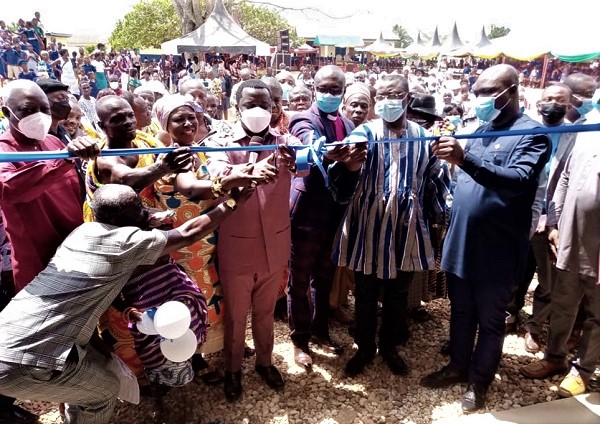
112,201
581,84
506,75
328,72
191,84
15,90
107,105
245,74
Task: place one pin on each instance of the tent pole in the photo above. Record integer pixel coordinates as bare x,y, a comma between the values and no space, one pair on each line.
544,70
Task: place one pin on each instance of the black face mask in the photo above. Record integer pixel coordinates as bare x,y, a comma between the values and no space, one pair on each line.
553,113
60,110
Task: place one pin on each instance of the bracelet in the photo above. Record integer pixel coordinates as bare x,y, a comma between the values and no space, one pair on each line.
217,187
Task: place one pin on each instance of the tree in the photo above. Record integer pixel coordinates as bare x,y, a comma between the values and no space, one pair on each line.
150,23
260,22
405,40
498,31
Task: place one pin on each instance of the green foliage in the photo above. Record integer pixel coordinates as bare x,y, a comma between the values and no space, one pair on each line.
263,23
405,40
150,23
89,48
498,31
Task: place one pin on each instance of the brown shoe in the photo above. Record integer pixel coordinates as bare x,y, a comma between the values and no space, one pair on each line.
544,369
531,343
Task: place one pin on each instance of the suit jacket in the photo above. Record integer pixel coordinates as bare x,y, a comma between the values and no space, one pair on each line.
312,203
256,239
491,215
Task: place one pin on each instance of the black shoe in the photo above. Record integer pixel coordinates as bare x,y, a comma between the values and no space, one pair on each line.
395,362
328,345
271,376
443,378
17,415
357,363
474,397
445,349
233,385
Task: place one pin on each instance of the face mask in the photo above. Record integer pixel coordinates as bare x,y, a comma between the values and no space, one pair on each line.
114,85
327,102
553,113
61,109
256,119
35,126
586,107
485,107
455,120
389,110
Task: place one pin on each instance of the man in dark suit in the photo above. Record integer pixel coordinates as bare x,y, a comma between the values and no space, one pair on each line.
486,246
315,219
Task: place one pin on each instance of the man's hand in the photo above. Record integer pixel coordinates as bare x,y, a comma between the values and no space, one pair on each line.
553,240
338,153
266,169
448,149
356,156
84,148
177,161
241,178
287,156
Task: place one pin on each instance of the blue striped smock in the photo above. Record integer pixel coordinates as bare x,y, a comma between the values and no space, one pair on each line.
402,189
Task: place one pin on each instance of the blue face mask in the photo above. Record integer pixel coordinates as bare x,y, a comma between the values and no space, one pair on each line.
455,120
328,103
586,107
389,110
485,107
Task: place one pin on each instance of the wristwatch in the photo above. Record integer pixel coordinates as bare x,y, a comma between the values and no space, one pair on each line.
231,203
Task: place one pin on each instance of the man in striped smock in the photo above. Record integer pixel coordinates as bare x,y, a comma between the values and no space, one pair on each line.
384,237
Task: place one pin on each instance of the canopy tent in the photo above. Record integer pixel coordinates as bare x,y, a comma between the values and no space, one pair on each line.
219,34
484,40
381,48
416,48
338,41
305,49
584,50
454,45
434,47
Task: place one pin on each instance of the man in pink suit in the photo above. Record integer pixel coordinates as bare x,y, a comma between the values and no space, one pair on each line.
254,245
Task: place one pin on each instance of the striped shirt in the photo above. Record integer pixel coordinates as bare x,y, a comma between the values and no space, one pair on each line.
61,307
402,189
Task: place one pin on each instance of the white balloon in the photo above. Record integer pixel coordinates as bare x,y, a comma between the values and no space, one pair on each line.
146,325
172,319
180,349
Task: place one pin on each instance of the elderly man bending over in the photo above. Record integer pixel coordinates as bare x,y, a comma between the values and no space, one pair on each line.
46,331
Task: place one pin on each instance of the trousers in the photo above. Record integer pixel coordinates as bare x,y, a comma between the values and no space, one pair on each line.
85,385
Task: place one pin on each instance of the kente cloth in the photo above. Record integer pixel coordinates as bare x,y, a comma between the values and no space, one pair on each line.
152,288
199,259
141,141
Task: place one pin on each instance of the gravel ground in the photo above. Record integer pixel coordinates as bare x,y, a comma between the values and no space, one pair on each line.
326,396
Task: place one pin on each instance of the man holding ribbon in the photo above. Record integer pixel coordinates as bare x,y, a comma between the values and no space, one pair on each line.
384,236
486,246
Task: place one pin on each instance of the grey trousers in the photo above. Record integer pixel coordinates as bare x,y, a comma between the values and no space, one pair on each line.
546,273
86,386
568,291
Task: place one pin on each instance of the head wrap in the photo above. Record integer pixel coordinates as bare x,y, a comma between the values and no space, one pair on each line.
356,89
165,106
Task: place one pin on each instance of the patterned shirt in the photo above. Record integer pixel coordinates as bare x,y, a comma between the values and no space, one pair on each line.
61,307
402,189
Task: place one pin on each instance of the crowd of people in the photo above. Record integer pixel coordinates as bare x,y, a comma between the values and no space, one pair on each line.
93,243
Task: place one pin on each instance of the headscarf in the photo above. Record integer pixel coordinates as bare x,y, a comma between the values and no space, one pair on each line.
356,89
167,104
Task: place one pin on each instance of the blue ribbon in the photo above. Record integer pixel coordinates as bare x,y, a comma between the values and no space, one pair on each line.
306,156
312,154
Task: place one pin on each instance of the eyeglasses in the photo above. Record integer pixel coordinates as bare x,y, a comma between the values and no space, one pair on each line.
334,91
391,96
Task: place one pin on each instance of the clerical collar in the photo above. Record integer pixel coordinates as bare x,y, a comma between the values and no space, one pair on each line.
332,117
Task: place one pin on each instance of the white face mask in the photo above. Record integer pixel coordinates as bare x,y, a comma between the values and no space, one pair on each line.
389,110
256,119
114,85
34,126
